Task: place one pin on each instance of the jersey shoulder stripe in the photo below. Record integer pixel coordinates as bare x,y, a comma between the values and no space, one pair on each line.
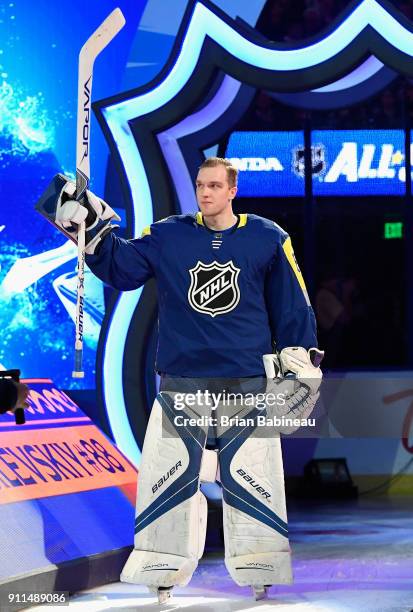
289,253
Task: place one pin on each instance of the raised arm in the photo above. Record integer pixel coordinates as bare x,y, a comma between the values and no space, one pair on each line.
123,264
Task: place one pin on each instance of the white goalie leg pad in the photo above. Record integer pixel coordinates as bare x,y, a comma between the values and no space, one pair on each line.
165,568
257,550
171,512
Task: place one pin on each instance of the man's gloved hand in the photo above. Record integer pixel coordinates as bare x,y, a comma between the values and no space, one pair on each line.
294,373
13,395
59,207
22,395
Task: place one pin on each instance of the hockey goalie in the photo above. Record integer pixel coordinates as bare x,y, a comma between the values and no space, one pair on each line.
234,315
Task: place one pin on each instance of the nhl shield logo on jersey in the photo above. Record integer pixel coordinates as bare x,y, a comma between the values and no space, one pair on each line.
214,287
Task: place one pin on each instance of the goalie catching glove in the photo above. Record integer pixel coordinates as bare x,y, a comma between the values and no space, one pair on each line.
59,207
295,373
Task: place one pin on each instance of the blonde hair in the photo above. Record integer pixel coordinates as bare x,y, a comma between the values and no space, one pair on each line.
232,171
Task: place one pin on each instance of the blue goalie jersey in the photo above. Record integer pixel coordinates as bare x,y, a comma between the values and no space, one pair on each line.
225,297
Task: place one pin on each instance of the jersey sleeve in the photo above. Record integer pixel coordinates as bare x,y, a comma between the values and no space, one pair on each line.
291,316
125,264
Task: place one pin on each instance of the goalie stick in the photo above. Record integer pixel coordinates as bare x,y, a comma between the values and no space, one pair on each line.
88,53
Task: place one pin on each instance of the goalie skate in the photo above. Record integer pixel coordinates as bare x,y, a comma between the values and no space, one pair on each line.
164,594
260,592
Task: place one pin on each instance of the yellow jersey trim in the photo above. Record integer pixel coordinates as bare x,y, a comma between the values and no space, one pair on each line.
199,218
146,231
289,253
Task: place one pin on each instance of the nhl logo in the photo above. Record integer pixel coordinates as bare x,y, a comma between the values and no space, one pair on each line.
214,287
318,160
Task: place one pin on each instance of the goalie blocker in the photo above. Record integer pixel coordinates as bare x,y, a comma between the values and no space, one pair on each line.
295,372
57,205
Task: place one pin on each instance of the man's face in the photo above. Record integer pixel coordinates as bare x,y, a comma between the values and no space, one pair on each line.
213,192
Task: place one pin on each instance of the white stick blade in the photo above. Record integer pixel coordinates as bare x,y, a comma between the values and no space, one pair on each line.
102,36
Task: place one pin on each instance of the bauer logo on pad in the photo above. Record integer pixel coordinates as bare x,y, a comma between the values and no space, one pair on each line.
214,287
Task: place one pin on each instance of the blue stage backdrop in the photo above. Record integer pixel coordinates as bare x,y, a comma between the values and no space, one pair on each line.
38,97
